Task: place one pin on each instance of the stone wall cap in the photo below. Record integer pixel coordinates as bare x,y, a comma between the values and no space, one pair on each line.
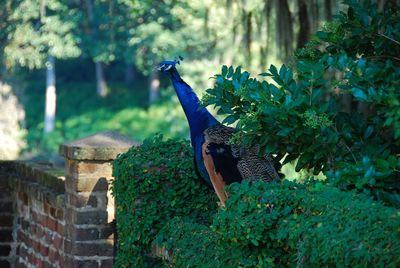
101,146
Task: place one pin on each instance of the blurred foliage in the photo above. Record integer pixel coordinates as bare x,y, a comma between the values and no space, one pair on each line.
37,30
12,115
81,114
300,114
119,34
154,183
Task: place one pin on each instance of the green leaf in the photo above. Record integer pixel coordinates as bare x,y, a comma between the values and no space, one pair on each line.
284,132
230,119
224,70
359,94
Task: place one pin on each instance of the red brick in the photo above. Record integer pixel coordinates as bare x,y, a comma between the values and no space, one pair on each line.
61,261
51,224
42,219
58,242
60,214
88,183
94,249
39,263
87,217
44,250
60,228
33,229
48,265
48,237
53,255
103,168
35,216
53,212
80,200
39,232
31,258
36,246
46,208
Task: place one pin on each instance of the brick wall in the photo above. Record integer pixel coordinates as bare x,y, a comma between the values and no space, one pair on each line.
7,211
51,217
39,213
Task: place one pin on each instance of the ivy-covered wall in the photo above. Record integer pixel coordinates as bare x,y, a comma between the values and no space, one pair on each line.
161,203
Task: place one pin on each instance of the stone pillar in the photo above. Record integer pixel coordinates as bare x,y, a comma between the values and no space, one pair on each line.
89,219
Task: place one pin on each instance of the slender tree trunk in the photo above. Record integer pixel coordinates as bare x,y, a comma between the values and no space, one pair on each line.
249,30
154,87
129,74
50,106
328,10
284,27
304,32
264,50
101,84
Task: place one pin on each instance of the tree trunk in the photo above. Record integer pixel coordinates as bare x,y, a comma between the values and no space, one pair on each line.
154,87
50,109
328,10
284,27
249,29
304,32
129,74
101,84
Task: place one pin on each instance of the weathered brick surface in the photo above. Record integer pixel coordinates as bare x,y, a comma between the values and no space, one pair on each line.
87,183
80,200
76,168
93,217
51,220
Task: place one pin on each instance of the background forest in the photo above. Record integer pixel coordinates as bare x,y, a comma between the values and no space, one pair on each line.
73,68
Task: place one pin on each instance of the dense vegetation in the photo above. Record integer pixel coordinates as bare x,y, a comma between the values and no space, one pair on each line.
162,202
337,112
155,182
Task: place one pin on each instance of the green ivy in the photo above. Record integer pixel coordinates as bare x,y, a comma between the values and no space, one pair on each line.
289,225
154,183
300,113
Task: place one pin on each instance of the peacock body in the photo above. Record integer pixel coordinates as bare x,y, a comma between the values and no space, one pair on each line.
217,161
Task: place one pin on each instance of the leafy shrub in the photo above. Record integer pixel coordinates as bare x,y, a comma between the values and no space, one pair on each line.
154,183
338,113
289,224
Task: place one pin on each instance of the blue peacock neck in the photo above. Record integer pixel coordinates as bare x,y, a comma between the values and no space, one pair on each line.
198,117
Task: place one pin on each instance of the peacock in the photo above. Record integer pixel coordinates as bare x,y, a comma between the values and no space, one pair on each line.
217,161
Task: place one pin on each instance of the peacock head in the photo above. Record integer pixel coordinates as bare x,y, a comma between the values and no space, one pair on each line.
167,65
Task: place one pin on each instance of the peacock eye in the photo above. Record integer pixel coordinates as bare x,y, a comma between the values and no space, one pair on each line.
168,67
